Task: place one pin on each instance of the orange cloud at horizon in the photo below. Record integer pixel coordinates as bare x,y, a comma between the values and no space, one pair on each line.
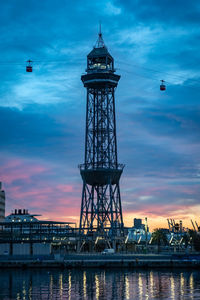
154,221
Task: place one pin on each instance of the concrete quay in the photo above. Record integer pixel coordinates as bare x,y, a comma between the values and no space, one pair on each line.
102,261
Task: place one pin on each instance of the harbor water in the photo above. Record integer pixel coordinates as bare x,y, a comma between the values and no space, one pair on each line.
99,284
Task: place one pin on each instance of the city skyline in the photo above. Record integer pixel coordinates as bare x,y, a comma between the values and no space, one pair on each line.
43,113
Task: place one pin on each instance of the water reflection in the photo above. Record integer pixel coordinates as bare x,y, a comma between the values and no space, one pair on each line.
191,283
84,285
172,287
69,285
127,288
99,284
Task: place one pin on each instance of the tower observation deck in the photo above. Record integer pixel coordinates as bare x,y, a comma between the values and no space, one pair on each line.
101,210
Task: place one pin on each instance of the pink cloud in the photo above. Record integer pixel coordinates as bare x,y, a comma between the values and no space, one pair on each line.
36,186
18,169
65,188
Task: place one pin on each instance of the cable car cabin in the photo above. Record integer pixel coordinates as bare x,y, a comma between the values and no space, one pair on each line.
29,67
162,86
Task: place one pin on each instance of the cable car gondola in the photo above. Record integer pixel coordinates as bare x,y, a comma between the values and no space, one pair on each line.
29,67
162,86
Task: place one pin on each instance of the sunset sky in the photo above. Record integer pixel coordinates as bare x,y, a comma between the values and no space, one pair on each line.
43,113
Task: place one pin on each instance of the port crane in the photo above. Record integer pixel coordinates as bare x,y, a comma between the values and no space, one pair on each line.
194,226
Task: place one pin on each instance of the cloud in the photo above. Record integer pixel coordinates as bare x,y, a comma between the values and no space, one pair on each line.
152,11
41,134
111,9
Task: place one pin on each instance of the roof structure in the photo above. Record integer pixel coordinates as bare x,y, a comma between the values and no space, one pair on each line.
100,48
100,41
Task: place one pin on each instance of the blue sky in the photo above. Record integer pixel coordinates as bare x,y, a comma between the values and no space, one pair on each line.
43,113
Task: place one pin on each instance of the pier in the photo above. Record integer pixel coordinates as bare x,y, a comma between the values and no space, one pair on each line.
102,261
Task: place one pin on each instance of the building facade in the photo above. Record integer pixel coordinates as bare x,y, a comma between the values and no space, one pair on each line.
2,204
21,215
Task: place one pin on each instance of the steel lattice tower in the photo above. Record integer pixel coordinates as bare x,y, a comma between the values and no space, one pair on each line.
101,209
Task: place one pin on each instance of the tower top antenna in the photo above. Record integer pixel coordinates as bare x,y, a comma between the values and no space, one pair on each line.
100,41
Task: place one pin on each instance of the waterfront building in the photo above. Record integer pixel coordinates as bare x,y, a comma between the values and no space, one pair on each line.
22,233
138,235
21,215
137,224
2,204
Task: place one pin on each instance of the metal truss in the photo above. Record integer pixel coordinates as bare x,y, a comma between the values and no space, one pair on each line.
101,209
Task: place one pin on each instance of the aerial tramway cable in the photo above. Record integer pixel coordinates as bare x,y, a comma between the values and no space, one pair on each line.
29,68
